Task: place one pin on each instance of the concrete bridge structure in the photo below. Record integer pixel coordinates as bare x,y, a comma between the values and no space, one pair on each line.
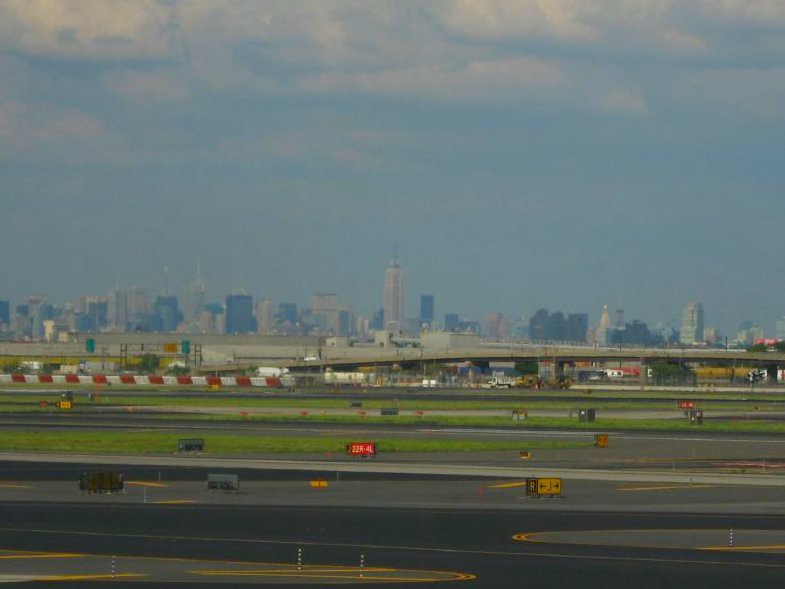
558,355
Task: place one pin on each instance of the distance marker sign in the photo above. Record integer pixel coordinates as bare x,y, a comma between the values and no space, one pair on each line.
361,448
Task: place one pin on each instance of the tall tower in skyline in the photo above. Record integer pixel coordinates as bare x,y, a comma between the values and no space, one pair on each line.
195,297
692,324
393,295
602,330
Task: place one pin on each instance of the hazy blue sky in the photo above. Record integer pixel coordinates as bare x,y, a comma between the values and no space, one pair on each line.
527,153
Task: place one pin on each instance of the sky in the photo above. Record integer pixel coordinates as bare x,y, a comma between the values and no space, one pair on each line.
518,153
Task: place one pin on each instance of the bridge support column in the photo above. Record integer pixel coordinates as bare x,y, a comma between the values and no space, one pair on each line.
643,377
558,369
771,373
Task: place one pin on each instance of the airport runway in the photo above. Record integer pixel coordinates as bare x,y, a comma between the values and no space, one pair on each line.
232,546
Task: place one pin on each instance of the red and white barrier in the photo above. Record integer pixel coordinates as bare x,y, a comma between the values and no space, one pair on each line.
141,380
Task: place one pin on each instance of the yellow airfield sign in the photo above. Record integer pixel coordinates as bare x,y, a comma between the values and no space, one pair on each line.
548,487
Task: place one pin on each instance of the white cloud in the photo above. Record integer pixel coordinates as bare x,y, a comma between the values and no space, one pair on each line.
84,29
505,19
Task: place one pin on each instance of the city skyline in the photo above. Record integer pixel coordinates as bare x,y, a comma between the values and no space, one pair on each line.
521,157
327,313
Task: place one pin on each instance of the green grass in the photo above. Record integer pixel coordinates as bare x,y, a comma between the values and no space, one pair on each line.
376,404
161,443
713,425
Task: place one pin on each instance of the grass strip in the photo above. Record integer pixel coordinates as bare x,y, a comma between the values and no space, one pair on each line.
164,443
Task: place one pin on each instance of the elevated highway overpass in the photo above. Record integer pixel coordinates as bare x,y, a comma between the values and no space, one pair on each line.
354,357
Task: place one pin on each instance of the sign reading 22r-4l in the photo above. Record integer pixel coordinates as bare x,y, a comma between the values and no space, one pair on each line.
361,448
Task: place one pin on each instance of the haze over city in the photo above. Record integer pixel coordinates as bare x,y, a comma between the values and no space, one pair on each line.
521,155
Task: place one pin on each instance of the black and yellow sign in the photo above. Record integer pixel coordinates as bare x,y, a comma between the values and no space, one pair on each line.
601,440
549,487
65,404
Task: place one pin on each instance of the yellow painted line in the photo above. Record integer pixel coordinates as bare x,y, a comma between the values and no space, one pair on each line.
40,555
91,577
146,484
525,538
665,488
175,502
743,548
356,575
14,486
507,485
293,569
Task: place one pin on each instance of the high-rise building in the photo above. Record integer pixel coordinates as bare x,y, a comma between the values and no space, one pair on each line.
324,301
452,322
239,313
692,324
393,296
97,309
137,301
118,309
601,336
287,313
497,326
576,326
265,316
426,309
194,300
167,310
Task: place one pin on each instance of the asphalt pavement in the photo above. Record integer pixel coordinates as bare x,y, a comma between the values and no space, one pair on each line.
263,545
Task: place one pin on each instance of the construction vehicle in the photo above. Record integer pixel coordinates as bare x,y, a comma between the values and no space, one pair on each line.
500,382
534,381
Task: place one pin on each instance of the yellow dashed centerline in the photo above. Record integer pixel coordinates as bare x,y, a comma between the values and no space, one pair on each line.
14,486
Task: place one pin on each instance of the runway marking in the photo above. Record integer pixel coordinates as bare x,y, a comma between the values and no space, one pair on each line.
665,488
14,486
146,484
175,502
742,548
348,573
100,577
29,555
507,485
554,555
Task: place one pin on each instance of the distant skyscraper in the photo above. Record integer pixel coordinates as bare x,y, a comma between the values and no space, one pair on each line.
452,322
118,309
168,312
239,313
576,326
195,297
497,326
393,296
602,329
287,312
426,309
692,324
265,315
137,301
